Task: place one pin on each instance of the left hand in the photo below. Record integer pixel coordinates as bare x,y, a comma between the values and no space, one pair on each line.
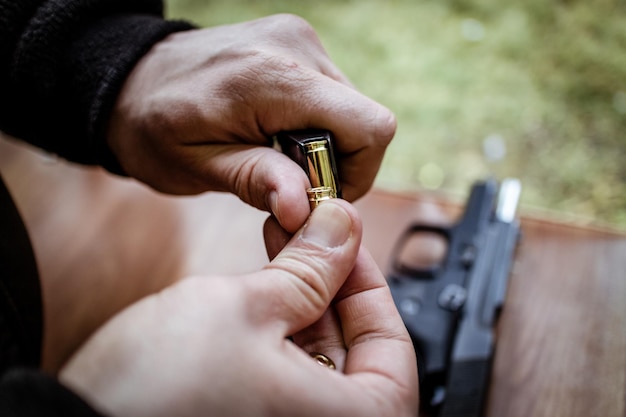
196,113
217,346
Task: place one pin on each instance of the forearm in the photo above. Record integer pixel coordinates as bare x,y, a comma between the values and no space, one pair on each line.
62,65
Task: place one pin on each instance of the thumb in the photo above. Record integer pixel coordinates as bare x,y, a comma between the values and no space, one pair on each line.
260,176
301,281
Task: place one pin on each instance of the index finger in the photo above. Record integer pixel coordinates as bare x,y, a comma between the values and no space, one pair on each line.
380,351
362,129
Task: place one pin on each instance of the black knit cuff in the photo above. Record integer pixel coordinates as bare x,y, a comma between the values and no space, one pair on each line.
103,57
28,393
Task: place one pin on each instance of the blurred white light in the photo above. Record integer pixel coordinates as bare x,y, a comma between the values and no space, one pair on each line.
472,30
619,102
494,147
431,176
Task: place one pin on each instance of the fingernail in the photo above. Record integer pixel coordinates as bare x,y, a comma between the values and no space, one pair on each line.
272,202
329,226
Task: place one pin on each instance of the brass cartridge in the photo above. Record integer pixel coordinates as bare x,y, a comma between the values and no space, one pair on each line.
320,168
313,151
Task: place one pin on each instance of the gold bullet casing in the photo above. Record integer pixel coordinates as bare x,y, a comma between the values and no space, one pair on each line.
319,164
313,151
323,182
317,195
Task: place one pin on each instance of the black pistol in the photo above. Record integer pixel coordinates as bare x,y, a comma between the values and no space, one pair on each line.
450,307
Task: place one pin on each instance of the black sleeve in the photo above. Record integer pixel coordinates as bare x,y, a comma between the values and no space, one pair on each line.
26,393
62,64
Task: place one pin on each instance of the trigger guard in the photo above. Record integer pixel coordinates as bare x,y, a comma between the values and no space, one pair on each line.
419,273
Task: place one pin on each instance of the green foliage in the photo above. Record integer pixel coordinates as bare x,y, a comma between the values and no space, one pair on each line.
546,78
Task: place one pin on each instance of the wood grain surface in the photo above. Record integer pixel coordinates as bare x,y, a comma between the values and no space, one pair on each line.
102,242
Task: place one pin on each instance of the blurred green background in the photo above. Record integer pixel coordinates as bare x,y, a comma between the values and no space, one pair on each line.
534,89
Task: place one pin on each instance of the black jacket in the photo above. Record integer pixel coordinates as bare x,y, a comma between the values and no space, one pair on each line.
62,64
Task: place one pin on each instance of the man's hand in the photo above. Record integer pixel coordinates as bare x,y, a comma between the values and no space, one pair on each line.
197,112
217,346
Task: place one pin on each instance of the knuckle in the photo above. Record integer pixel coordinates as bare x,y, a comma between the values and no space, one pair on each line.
308,277
245,180
386,125
295,24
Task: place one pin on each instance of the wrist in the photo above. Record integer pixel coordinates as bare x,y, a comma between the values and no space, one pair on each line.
103,57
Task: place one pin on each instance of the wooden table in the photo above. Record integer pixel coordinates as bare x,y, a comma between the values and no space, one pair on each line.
561,339
561,348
